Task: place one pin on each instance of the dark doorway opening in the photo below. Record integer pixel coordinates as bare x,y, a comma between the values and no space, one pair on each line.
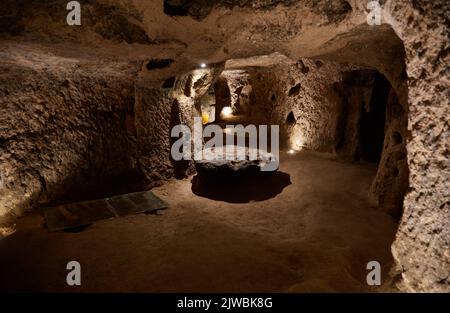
361,126
373,119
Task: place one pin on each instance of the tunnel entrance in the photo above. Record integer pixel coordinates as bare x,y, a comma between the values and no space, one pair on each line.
350,112
337,125
373,119
361,127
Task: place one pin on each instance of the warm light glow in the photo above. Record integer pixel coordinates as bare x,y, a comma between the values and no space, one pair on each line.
291,151
7,231
227,111
297,140
205,117
203,65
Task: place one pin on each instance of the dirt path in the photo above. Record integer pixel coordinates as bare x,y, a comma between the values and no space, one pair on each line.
316,235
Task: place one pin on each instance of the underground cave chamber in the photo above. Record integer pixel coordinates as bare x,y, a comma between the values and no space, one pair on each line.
352,113
347,113
87,113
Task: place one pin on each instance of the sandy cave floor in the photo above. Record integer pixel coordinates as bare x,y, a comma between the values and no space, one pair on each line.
317,235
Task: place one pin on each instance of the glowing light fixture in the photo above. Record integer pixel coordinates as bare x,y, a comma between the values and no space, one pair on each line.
291,151
203,65
227,111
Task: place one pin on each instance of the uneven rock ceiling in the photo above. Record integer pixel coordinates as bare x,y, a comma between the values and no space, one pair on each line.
205,31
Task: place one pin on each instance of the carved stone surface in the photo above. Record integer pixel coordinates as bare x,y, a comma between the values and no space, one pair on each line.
224,160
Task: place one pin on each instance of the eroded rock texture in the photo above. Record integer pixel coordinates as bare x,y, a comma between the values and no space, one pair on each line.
63,125
154,107
67,95
422,247
391,183
158,110
302,102
348,111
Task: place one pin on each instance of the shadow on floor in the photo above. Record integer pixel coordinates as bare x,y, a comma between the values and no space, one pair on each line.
241,189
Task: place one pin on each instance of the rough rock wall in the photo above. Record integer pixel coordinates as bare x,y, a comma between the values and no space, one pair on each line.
236,81
103,19
422,246
153,118
299,29
63,126
314,103
391,182
319,105
158,110
301,98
